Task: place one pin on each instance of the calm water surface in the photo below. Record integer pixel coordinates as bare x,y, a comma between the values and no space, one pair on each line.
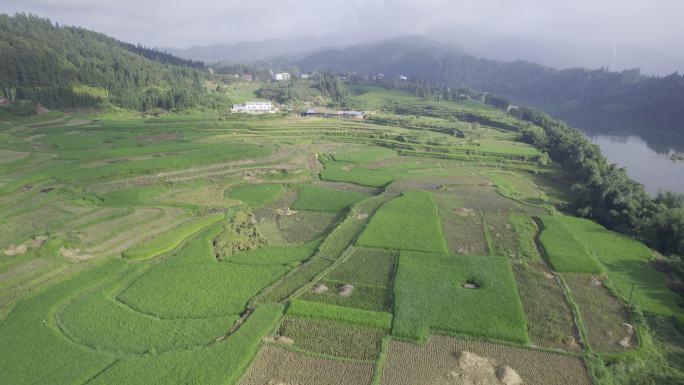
643,151
644,164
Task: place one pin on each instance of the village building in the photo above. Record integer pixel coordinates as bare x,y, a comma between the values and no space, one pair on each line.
324,113
283,76
254,107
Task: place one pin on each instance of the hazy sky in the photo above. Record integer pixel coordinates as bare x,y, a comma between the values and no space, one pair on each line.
654,23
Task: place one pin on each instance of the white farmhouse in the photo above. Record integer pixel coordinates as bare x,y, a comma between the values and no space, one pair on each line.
254,106
283,76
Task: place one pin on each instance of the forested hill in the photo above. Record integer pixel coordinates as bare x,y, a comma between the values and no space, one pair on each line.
67,67
654,100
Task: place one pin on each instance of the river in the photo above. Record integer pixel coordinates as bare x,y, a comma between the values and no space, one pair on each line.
643,151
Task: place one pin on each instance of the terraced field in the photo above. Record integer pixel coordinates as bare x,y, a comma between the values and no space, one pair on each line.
211,249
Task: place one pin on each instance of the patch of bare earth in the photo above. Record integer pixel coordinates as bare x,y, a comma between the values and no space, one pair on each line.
276,366
74,254
32,243
451,361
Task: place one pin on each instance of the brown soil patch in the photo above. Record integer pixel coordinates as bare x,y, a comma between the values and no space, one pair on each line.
33,243
159,137
16,250
278,366
319,288
38,241
74,254
464,212
473,369
346,290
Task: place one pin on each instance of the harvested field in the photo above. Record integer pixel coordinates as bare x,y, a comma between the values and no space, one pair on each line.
462,227
332,338
486,198
374,298
278,366
367,267
305,226
501,235
550,321
433,182
434,363
604,315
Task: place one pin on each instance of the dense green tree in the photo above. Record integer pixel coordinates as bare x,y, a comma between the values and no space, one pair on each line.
67,67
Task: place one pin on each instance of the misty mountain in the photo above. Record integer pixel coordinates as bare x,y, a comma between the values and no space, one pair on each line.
652,99
560,54
252,51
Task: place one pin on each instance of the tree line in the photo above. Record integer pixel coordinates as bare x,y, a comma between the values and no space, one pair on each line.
604,192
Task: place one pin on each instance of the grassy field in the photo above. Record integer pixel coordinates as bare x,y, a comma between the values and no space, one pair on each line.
316,198
206,248
429,286
565,252
626,263
410,222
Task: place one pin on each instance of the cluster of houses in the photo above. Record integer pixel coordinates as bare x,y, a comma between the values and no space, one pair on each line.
324,113
254,107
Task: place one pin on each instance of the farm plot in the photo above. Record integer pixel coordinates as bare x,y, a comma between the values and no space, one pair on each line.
49,356
550,321
275,255
357,317
374,267
255,195
432,182
332,338
279,366
169,240
428,287
114,236
316,198
604,316
627,263
410,222
486,198
565,252
305,226
198,290
374,298
352,173
445,360
500,233
462,226
98,321
362,281
514,186
526,230
220,363
193,284
364,154
296,278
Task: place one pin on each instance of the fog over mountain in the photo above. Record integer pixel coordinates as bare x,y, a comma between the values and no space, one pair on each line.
560,33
